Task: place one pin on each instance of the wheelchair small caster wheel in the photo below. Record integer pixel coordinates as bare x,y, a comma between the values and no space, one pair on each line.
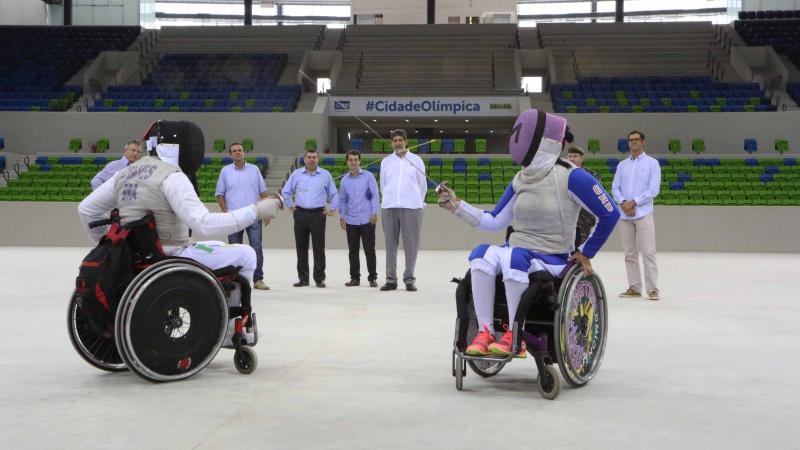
461,370
245,360
549,383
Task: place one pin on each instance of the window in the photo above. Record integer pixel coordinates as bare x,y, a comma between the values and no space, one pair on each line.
323,85
532,84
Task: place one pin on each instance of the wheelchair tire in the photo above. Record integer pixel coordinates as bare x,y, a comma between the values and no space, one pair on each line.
98,350
245,360
549,383
171,321
486,369
581,326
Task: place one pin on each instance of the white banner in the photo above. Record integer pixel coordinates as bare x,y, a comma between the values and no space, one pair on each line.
376,106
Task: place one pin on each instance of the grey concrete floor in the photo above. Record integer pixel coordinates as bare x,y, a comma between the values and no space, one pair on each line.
711,365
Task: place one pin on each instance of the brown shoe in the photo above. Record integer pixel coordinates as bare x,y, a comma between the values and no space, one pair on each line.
630,293
352,283
653,295
260,285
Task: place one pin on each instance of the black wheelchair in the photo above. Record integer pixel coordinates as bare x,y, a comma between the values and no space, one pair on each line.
563,320
172,317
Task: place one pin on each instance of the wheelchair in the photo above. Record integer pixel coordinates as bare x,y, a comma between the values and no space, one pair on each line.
563,320
172,317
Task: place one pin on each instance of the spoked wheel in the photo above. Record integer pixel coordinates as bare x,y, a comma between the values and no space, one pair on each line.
581,326
549,383
171,321
486,369
245,360
98,349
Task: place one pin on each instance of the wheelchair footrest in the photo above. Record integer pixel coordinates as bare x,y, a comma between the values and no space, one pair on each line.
493,359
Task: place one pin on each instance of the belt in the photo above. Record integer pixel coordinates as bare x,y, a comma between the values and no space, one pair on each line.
313,210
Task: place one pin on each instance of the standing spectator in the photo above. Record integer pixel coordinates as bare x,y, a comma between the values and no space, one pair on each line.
586,220
404,186
130,154
358,214
636,185
307,193
241,184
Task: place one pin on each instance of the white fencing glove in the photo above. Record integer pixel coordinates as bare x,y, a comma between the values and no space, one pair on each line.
447,198
267,208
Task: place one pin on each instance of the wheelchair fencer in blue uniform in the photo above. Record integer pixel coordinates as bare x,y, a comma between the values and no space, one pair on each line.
554,304
148,298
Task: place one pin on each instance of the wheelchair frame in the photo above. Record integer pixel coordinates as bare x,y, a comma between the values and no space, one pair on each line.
567,326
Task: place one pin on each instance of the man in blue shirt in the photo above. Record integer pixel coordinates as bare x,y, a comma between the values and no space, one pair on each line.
241,184
358,214
307,193
636,184
130,154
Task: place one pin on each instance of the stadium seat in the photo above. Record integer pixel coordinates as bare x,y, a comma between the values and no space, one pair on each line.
75,145
781,146
674,146
102,145
247,144
593,145
750,145
219,145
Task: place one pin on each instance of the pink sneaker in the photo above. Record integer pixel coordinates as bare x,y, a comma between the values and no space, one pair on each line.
480,345
503,346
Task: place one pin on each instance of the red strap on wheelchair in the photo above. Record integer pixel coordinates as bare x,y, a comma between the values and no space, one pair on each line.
101,296
117,233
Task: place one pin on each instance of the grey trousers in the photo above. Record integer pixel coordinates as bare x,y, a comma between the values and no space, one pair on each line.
408,223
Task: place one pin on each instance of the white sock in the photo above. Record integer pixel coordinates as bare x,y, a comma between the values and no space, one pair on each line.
514,290
483,286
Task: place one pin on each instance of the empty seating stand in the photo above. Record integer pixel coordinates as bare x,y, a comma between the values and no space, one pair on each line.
658,94
779,29
39,60
67,178
208,83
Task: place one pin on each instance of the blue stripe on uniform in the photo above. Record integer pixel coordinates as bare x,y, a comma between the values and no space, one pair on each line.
479,251
507,196
521,258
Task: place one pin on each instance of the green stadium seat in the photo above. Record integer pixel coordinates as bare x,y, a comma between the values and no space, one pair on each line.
674,146
75,145
781,146
593,145
698,146
247,143
219,145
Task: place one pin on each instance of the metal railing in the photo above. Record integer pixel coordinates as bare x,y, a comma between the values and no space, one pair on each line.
360,69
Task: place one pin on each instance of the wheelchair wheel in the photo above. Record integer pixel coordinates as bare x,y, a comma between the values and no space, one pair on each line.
245,360
581,325
486,369
96,349
549,384
171,321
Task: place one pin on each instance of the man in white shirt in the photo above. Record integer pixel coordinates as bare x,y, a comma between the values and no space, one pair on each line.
130,154
403,188
636,184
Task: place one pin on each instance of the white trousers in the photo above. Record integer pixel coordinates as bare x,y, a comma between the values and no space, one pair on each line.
216,255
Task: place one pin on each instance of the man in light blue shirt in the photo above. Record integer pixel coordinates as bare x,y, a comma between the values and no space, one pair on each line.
130,154
636,184
307,193
241,184
358,214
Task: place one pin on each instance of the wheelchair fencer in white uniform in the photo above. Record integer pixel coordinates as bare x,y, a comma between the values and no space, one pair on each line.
187,299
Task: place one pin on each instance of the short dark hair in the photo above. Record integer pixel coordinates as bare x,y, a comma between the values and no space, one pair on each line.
641,135
310,150
575,149
230,147
401,133
352,152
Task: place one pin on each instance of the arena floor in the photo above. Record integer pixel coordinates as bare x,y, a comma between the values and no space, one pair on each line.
711,365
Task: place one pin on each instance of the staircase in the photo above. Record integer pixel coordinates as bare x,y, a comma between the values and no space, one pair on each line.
279,170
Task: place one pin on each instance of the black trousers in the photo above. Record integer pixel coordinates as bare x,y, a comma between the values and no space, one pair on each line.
356,234
310,223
